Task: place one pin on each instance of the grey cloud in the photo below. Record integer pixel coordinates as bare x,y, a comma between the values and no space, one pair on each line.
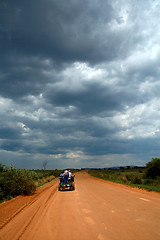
65,31
9,133
95,97
22,76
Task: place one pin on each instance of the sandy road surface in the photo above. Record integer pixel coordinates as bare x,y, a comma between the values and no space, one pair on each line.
95,210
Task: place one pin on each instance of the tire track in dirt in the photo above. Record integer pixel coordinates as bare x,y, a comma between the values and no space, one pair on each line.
14,206
40,210
18,223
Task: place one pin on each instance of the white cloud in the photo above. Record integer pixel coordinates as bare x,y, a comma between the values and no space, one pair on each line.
141,121
76,154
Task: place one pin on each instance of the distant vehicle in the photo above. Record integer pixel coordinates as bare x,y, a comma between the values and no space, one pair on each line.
69,185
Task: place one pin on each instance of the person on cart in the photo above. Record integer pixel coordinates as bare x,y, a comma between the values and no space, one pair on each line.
66,181
69,176
66,175
61,177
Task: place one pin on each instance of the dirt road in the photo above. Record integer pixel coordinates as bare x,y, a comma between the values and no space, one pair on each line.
95,210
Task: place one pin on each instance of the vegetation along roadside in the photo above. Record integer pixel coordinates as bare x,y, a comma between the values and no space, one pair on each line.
143,177
14,182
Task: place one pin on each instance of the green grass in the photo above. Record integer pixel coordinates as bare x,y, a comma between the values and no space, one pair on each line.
134,177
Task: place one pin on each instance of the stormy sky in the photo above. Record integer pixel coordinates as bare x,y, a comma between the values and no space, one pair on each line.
79,83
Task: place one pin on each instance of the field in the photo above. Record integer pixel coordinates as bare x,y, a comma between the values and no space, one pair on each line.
134,177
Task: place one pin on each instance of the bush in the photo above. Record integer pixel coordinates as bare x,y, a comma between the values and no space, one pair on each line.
124,179
1,167
153,168
148,181
14,182
137,180
130,177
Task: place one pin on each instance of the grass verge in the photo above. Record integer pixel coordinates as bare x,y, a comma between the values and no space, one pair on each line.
131,177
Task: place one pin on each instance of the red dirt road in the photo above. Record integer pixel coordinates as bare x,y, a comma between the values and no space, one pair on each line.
95,210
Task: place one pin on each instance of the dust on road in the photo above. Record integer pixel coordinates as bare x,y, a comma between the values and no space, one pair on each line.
95,210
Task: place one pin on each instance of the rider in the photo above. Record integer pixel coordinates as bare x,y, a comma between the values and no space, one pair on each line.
61,177
69,175
66,174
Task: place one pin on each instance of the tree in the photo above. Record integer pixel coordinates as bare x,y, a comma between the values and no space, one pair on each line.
153,168
45,164
1,167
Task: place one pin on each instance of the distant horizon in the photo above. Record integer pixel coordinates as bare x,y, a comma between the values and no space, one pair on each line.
87,168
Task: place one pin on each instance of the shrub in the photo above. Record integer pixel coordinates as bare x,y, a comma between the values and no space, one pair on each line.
153,168
130,177
14,182
1,167
148,181
137,180
124,179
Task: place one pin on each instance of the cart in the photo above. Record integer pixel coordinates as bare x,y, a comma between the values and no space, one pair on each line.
70,185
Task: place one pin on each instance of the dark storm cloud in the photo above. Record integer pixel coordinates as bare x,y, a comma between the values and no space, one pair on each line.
94,98
64,31
101,96
87,135
9,133
119,146
21,76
